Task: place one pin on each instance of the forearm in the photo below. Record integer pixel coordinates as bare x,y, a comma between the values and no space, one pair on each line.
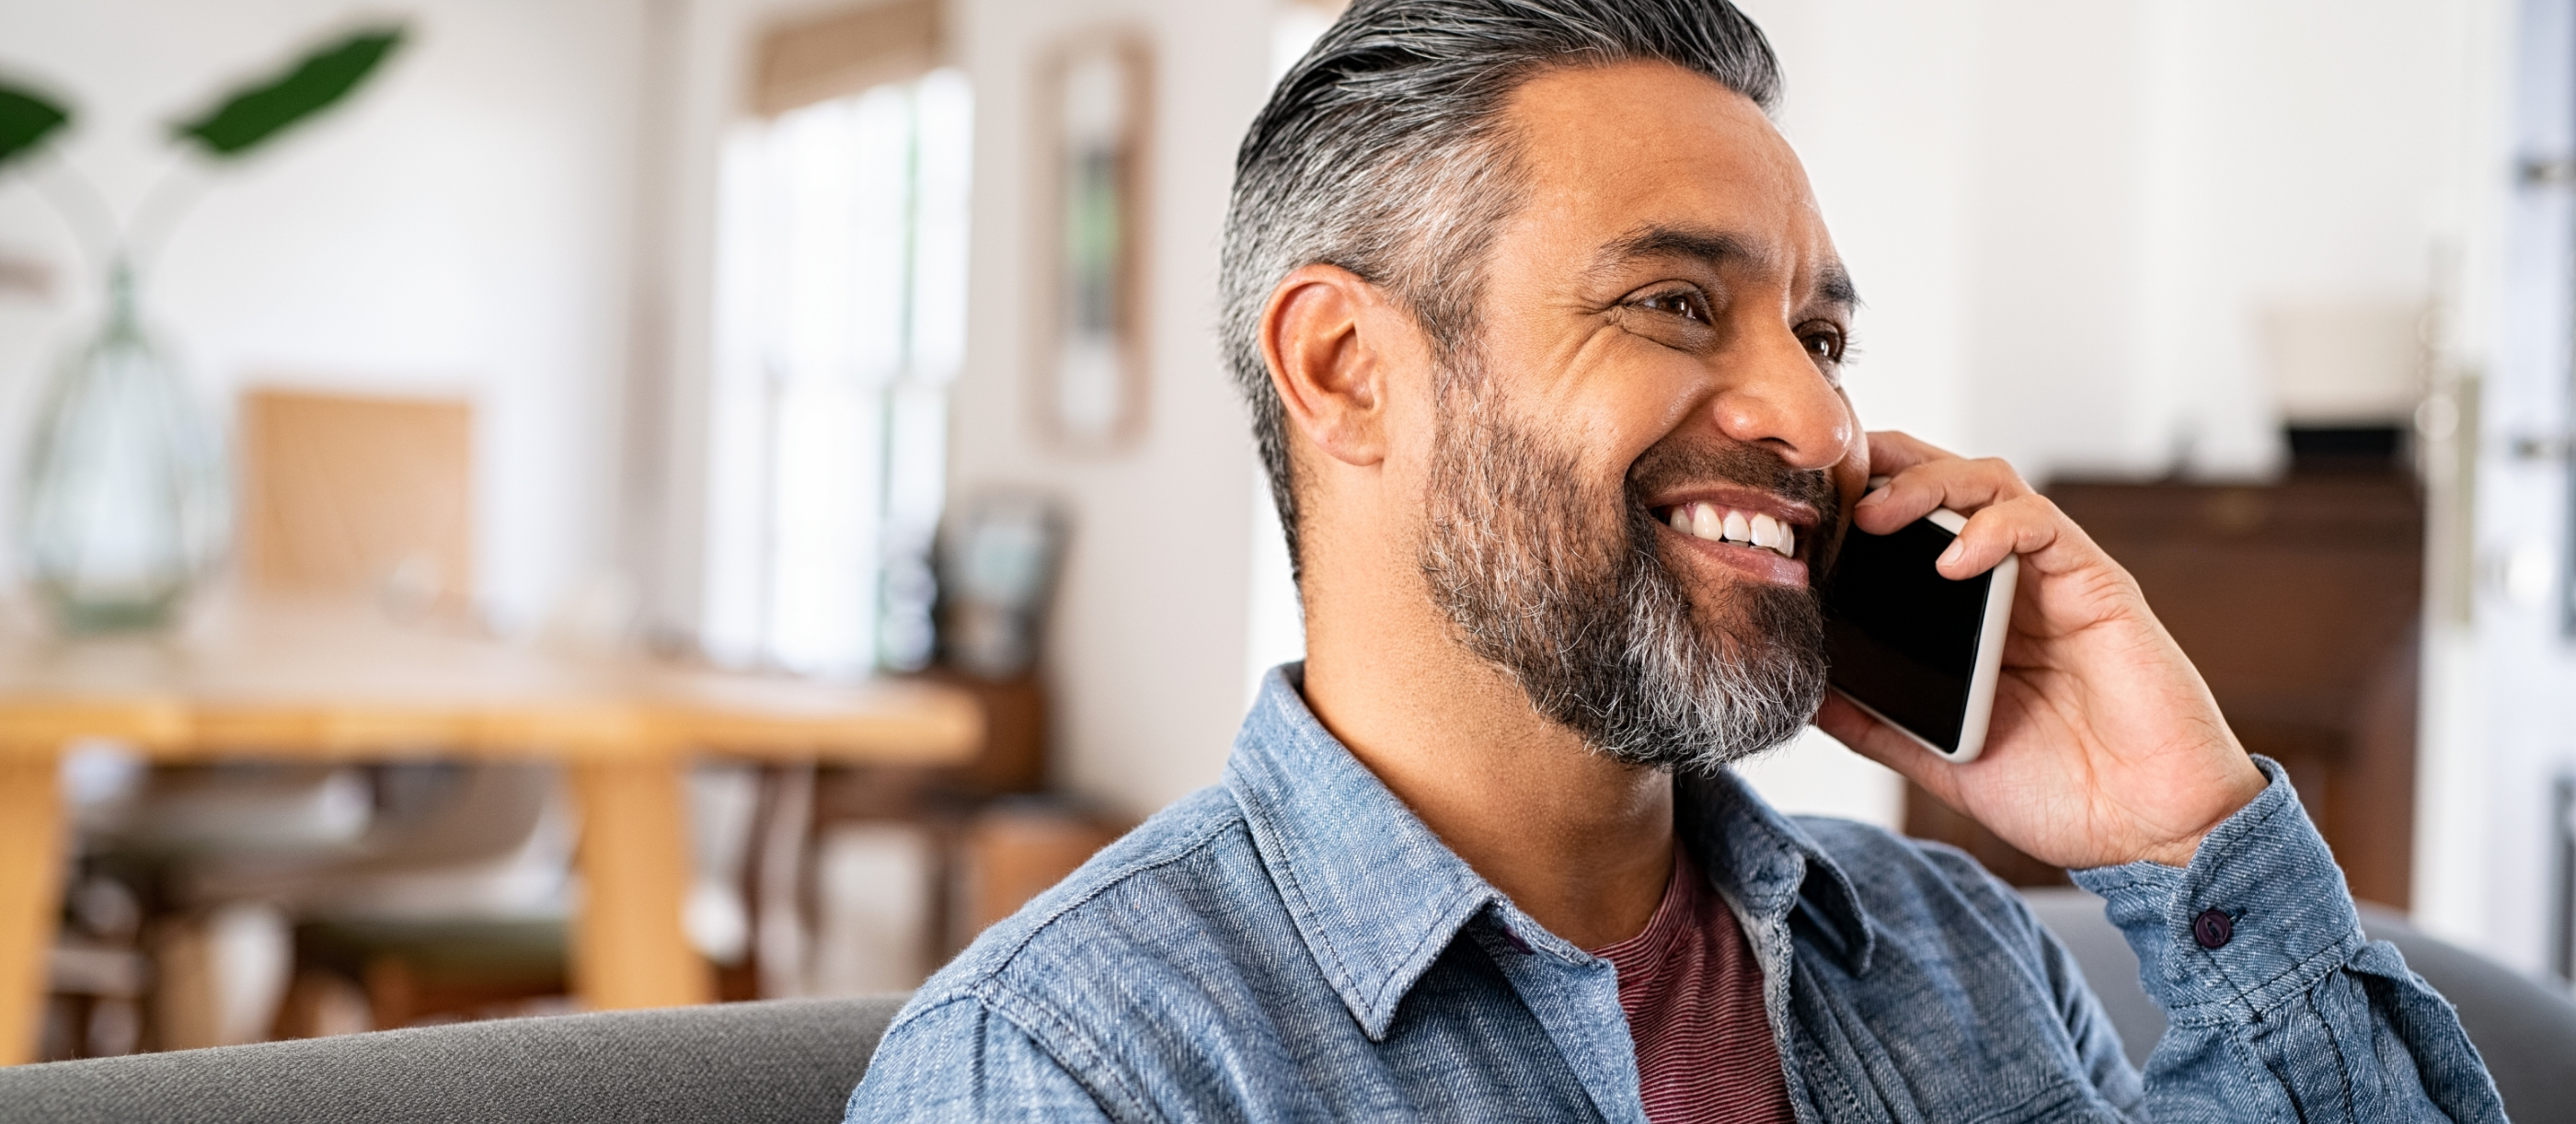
2279,1007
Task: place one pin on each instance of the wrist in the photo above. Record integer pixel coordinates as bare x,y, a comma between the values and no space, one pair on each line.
2176,853
2241,786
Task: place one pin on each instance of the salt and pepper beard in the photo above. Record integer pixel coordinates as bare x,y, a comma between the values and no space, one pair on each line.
1564,588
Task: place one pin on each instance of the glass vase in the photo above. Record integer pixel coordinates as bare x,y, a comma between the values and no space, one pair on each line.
126,503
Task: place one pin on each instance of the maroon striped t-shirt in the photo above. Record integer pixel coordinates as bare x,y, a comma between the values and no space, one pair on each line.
1693,995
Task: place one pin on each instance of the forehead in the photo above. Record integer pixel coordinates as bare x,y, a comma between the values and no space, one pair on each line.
1609,151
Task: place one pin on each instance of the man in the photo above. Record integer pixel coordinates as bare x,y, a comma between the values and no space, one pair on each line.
1514,287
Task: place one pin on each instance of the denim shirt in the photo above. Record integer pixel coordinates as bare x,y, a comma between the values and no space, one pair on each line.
1294,944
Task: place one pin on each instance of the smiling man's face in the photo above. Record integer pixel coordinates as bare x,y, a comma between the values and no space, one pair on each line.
1645,452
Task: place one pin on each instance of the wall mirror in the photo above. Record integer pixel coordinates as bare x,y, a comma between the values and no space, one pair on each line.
1093,99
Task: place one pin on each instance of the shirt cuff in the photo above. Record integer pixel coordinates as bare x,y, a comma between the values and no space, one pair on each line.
2257,919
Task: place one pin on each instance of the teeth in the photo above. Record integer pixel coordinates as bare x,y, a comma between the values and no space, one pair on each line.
1708,521
1766,532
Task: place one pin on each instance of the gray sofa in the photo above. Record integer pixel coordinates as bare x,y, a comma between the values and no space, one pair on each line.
784,1060
796,1060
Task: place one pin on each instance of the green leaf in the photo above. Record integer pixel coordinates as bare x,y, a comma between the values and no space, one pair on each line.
252,115
26,119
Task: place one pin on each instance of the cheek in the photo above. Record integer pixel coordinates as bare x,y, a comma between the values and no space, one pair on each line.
1637,411
1412,434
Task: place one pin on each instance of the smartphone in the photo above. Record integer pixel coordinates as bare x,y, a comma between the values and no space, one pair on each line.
1916,650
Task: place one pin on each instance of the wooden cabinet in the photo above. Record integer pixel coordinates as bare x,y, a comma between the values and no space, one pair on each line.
2299,602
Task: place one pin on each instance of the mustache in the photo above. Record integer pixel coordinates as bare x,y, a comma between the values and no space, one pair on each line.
1673,465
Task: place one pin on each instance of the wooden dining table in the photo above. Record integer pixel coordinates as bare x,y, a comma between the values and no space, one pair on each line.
324,680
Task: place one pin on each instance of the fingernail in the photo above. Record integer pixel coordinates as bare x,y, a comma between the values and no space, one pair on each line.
1957,547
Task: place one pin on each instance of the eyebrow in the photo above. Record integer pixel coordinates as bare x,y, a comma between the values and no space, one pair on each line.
1717,248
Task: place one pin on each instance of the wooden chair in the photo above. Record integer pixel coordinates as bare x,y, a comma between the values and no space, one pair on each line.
367,496
348,496
368,499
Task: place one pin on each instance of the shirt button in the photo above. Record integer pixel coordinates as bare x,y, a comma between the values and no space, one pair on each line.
2212,929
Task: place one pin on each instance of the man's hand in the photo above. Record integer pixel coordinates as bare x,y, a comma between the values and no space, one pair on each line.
2106,747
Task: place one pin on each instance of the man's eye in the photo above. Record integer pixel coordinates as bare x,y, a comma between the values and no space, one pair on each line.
1683,303
1826,345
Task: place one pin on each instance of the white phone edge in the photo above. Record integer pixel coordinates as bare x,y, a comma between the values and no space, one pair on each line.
1990,655
1990,660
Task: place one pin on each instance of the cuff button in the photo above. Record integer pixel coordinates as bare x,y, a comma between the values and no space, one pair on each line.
2212,929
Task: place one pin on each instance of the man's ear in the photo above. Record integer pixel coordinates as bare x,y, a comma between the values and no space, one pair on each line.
1323,334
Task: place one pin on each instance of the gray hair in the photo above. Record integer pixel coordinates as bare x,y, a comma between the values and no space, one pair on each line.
1384,153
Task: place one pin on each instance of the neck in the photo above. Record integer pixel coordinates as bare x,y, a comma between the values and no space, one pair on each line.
1581,843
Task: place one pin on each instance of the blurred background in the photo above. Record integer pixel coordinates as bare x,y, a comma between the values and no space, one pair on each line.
846,343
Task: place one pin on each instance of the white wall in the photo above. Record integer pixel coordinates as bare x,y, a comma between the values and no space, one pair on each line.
1147,651
2066,218
459,227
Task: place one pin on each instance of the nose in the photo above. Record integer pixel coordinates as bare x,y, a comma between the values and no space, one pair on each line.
1772,394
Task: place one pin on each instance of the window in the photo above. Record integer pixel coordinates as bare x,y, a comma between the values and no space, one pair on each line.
840,323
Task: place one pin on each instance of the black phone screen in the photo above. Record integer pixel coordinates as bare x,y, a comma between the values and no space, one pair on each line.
1900,637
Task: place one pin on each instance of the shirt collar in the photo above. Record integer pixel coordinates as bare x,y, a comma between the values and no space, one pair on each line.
1374,894
1769,866
1376,897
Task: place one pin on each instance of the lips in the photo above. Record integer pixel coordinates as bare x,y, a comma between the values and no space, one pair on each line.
1718,523
1737,508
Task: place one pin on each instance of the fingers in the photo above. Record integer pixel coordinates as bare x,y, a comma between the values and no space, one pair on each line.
2005,516
1922,477
1893,450
2027,524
